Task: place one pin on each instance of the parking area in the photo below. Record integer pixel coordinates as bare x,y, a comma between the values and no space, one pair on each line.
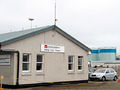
91,85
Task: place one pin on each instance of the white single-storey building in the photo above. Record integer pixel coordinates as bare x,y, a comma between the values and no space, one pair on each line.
42,55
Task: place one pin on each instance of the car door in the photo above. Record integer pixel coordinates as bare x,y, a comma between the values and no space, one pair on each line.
107,74
112,74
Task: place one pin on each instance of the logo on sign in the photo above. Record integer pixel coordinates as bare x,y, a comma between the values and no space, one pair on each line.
45,46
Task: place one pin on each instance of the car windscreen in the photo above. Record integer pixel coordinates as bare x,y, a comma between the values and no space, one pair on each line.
91,70
100,71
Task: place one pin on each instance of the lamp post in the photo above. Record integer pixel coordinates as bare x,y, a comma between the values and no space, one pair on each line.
31,19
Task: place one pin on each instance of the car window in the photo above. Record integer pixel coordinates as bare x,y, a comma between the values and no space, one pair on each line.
91,70
111,71
100,71
107,71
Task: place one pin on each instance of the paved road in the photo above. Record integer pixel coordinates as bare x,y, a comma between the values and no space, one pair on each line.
92,85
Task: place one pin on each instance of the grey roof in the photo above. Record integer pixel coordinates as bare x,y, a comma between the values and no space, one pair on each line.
11,37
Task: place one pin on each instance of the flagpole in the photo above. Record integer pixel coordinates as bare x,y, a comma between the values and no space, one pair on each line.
55,14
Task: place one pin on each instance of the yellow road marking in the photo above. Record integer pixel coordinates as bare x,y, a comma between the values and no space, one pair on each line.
99,82
82,84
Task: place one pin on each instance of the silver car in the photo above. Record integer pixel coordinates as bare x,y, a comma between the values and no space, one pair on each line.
104,74
90,71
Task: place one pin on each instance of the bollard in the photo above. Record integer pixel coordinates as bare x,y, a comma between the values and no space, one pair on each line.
1,81
119,78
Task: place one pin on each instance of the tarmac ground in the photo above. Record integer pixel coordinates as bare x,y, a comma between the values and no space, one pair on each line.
91,85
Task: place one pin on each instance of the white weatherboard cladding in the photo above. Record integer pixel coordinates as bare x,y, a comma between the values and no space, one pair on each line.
4,59
51,48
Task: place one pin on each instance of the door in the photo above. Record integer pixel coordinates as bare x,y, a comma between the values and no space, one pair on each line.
112,74
108,75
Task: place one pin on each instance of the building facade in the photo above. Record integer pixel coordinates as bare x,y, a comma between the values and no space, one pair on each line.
42,55
102,55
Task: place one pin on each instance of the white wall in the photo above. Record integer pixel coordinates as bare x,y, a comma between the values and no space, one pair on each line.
55,64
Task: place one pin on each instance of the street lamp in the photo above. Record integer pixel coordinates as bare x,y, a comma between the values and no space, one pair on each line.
31,19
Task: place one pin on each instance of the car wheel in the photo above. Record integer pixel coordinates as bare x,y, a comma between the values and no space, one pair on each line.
103,78
115,78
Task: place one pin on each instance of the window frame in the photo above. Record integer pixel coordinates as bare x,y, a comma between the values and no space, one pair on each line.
26,62
40,62
71,63
81,58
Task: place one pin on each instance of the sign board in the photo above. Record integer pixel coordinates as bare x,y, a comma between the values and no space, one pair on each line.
51,48
4,59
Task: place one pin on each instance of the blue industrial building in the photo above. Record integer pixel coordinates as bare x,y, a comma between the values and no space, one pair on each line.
102,55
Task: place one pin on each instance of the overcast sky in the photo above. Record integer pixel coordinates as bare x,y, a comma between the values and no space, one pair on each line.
96,23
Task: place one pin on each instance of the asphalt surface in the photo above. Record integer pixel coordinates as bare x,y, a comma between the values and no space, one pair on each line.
92,85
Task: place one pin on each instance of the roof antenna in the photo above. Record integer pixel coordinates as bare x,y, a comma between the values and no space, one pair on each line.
55,15
31,19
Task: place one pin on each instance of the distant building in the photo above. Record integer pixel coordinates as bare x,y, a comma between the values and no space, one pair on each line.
100,56
118,57
103,54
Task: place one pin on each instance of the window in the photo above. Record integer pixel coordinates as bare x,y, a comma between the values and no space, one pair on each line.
5,59
39,63
112,71
25,65
80,58
107,71
70,62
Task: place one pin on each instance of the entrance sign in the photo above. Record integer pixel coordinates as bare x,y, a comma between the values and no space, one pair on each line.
4,59
51,48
